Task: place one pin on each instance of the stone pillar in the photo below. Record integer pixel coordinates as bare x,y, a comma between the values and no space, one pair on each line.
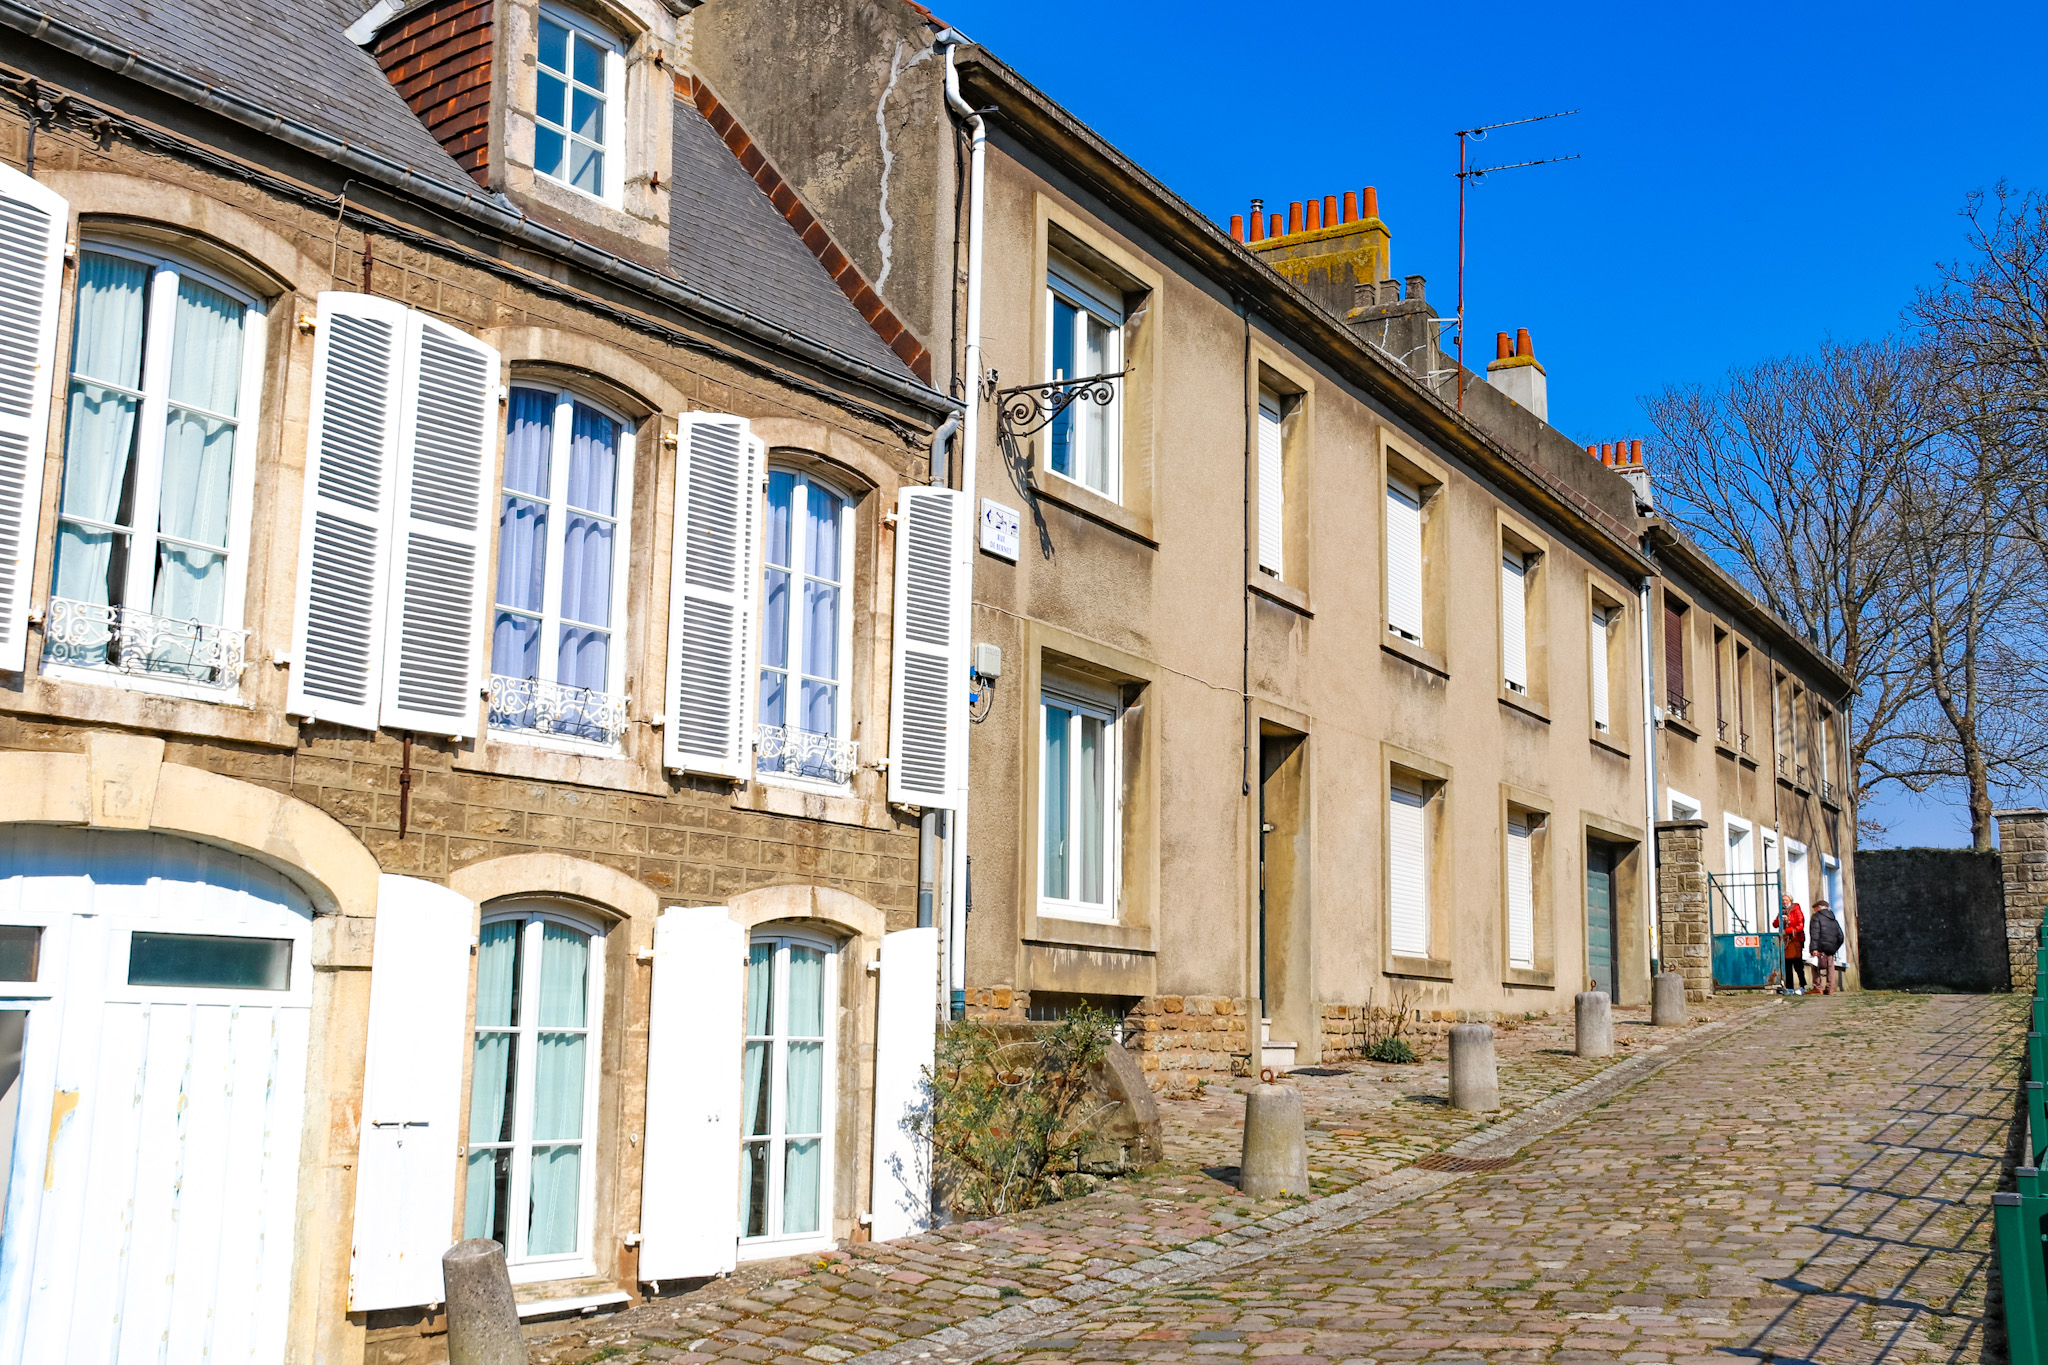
1684,917
2023,863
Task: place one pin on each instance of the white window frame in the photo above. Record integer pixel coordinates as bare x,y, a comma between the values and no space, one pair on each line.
151,415
1674,798
1599,622
561,433
789,1244
613,194
1520,897
582,1261
1091,298
1272,483
1411,785
1079,700
1743,897
1514,607
792,692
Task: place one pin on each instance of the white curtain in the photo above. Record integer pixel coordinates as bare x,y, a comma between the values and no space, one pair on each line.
99,430
584,658
522,535
559,1072
199,450
778,561
804,1098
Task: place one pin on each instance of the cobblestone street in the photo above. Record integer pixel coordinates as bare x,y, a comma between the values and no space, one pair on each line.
1805,1180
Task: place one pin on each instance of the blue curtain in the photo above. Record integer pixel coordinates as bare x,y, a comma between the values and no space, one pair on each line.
523,534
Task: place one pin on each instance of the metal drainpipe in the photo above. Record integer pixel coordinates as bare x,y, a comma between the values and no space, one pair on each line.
970,452
1649,773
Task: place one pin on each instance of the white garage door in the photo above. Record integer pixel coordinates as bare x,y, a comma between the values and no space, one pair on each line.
159,993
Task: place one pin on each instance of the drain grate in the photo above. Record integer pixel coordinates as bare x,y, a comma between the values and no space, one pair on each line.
1441,1161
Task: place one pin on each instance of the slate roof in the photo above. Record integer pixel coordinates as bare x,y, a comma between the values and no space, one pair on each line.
295,57
726,238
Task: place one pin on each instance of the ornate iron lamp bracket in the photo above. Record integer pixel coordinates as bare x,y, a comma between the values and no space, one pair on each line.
1030,408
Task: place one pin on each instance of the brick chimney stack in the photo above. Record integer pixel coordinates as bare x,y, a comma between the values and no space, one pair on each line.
1328,245
1517,373
1626,459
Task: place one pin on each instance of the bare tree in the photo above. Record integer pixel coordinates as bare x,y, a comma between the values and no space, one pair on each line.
1790,473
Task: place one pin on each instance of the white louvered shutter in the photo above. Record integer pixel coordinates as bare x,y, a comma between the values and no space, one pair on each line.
1521,896
1407,870
690,1172
412,1094
1514,621
905,1023
715,575
1272,488
1602,717
1404,560
927,692
440,546
33,221
345,531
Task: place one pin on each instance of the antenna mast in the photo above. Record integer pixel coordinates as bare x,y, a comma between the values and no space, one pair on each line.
1480,173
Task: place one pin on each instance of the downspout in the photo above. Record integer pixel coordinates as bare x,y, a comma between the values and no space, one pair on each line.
955,976
1649,773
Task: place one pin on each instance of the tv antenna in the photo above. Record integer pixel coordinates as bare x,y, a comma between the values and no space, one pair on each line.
1466,173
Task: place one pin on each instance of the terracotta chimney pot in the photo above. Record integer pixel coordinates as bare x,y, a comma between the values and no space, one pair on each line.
1274,229
1500,346
1293,217
1236,227
1369,203
1258,223
1315,215
1524,346
1635,452
1329,210
1351,206
1607,452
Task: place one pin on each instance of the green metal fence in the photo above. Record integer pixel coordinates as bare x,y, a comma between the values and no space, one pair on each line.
2017,1215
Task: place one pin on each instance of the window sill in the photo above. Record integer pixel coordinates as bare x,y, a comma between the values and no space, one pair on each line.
503,753
1527,705
554,744
1422,968
145,683
1611,744
1085,502
1725,751
1745,760
543,1272
1403,648
1286,594
1528,977
1677,726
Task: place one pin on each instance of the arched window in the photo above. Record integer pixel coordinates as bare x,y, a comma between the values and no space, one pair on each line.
806,631
557,670
531,1170
152,530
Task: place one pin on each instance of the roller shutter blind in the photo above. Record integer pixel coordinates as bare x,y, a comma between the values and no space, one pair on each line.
1521,896
1602,715
714,579
1272,487
927,689
1404,560
1674,655
1408,869
33,221
1514,621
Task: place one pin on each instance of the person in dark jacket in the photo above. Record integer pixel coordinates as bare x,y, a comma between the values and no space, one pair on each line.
1824,932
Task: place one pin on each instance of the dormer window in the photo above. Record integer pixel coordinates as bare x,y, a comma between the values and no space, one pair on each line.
577,106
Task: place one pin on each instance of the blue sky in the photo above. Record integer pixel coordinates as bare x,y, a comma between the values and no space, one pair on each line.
1753,177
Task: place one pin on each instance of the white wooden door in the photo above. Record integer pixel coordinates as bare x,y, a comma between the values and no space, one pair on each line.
154,1186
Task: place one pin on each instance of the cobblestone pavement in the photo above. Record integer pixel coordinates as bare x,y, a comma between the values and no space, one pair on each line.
1812,1188
1368,1125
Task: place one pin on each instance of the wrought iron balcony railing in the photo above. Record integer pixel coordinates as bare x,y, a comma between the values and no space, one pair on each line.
1742,742
1721,730
793,752
1799,775
1678,707
1827,791
1784,766
140,644
531,706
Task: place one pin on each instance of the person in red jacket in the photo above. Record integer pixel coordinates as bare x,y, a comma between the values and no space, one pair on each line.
1792,924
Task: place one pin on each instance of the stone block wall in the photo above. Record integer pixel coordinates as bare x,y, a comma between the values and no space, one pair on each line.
2023,865
1684,915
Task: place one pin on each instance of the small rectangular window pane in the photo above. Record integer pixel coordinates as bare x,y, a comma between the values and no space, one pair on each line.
775,619
754,1189
1055,777
587,570
206,349
558,1087
13,1033
806,998
522,553
1062,433
113,303
593,461
552,100
820,710
589,63
821,530
584,659
586,169
550,153
564,977
557,1186
529,441
1094,797
494,1075
20,948
586,116
515,646
212,961
804,1165
781,492
554,45
821,630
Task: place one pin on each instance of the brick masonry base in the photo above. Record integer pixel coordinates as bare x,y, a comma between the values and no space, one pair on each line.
2023,863
1684,922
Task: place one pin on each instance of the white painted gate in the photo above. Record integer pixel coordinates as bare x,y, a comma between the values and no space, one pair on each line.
153,1187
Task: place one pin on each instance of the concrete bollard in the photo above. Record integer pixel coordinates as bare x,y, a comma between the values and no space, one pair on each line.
1667,999
1475,1075
1275,1158
483,1317
1595,1021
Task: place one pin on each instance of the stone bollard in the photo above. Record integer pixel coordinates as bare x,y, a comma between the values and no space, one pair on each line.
483,1317
1595,1024
1667,999
1275,1158
1475,1076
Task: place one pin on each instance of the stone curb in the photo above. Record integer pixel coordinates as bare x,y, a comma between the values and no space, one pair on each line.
1011,1327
